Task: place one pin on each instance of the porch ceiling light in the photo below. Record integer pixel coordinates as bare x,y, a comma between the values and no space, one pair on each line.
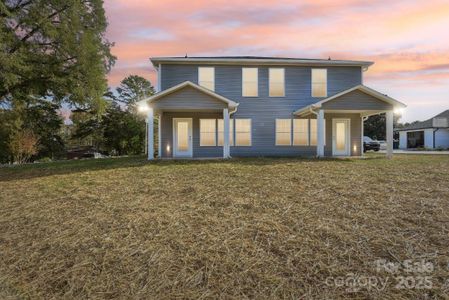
398,111
142,108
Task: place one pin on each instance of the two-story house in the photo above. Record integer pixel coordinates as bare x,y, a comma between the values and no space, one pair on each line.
262,106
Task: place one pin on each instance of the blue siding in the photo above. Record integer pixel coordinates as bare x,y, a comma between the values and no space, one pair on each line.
264,110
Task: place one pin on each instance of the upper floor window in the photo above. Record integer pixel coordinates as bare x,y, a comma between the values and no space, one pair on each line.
276,82
206,77
250,82
319,82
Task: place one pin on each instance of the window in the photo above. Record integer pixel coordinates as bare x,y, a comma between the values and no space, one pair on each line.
283,132
207,132
206,77
314,132
319,82
221,132
301,132
276,82
250,82
243,132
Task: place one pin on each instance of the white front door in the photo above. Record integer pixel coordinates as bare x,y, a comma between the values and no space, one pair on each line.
341,137
182,137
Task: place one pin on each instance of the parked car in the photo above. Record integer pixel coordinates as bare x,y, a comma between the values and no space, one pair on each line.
383,145
370,144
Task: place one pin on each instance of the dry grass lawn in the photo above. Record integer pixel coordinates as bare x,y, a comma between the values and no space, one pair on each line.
246,228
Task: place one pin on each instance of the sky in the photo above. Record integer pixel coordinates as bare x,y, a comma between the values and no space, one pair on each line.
407,39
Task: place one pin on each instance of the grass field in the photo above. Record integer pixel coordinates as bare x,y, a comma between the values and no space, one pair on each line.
246,228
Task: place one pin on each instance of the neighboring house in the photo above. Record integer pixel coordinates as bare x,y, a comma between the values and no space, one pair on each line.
262,106
431,134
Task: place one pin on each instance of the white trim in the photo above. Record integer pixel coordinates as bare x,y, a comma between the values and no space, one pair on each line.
259,61
159,129
362,88
149,100
347,137
159,78
257,82
213,77
150,134
269,83
389,133
226,144
320,133
174,133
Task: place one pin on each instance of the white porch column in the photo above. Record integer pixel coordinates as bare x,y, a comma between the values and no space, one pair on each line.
320,137
150,133
159,130
389,125
226,150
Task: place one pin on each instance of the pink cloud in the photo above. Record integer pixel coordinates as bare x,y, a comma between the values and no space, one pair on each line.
406,38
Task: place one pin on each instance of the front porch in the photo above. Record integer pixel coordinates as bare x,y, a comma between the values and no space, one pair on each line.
179,111
340,120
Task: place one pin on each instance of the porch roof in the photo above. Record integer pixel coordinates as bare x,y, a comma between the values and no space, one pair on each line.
384,102
188,103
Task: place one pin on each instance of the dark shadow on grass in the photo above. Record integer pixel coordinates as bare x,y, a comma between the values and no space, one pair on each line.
29,171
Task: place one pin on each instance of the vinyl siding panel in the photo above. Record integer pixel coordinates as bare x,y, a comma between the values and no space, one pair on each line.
357,100
188,97
442,138
263,110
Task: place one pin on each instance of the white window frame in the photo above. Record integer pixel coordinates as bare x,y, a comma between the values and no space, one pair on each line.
213,79
257,82
215,133
269,82
276,132
250,132
312,82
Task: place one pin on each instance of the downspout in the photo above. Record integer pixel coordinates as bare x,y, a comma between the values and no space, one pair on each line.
434,137
231,113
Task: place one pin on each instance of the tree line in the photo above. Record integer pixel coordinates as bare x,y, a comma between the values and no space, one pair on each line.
54,55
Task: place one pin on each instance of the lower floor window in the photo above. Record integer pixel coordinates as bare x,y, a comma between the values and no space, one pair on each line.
243,132
212,132
304,132
207,132
283,132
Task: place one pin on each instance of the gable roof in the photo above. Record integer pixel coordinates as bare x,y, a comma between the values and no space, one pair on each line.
259,60
424,124
184,84
361,88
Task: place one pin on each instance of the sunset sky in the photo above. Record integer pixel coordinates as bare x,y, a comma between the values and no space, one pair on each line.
408,40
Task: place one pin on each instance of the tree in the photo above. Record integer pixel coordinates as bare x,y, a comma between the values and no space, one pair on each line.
123,131
132,89
43,118
375,126
54,49
23,145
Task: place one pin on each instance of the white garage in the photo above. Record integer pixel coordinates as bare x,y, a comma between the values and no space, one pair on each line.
429,134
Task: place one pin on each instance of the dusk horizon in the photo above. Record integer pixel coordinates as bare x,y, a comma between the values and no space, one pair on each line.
403,39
